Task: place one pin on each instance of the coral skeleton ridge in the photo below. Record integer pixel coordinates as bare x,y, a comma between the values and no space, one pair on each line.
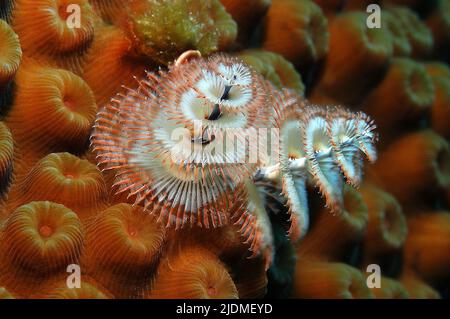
193,179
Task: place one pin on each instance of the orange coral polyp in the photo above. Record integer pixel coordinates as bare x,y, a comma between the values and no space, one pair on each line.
415,165
136,237
332,236
440,110
68,180
386,229
407,89
420,37
40,118
43,26
417,288
41,237
58,289
225,242
400,41
114,49
123,248
390,289
193,273
109,10
427,248
317,279
305,36
357,57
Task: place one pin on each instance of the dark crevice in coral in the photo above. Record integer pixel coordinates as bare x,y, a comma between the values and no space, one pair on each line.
391,264
6,98
6,7
311,76
281,273
5,181
354,255
424,8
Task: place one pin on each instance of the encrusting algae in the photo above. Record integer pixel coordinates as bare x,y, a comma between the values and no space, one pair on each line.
274,68
164,29
91,176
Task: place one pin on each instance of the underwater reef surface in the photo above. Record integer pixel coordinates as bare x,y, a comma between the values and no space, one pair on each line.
83,181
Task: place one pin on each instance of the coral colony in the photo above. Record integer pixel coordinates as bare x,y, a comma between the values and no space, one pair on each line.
147,145
180,145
